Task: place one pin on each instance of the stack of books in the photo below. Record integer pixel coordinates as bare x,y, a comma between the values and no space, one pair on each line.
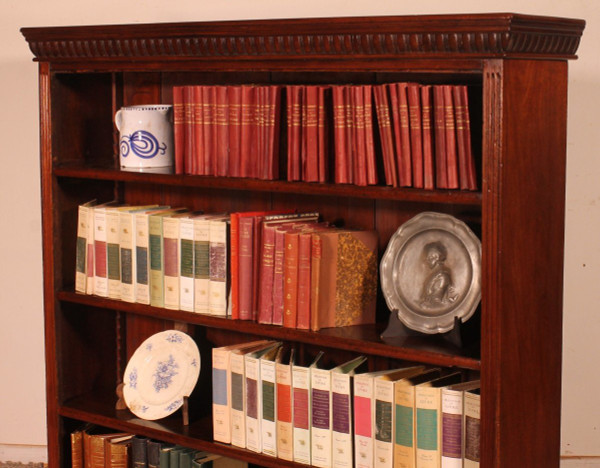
334,416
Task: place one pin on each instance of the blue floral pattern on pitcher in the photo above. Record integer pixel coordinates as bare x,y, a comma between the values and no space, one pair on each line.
142,143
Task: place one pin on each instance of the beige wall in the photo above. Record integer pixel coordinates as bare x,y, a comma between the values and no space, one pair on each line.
22,411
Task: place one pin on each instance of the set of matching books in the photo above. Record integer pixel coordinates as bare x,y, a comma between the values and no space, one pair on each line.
228,131
425,136
278,268
335,417
233,131
92,447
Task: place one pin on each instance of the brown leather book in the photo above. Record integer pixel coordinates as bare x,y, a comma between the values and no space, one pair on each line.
368,126
416,133
426,128
358,108
471,171
304,267
384,124
178,128
450,125
344,287
117,452
77,449
398,93
441,172
290,279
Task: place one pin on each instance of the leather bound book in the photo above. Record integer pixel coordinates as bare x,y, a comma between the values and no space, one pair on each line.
247,131
472,422
222,131
471,171
450,126
358,129
208,120
323,134
347,279
339,135
178,128
310,162
234,99
273,123
267,269
290,279
461,140
405,169
199,143
304,277
220,278
153,450
368,131
294,130
426,128
189,160
77,449
416,133
384,124
234,255
245,260
139,453
439,125
278,274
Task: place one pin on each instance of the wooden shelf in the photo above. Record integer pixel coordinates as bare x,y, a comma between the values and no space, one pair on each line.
455,197
363,339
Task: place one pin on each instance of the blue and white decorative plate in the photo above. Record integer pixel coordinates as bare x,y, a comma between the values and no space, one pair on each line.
163,370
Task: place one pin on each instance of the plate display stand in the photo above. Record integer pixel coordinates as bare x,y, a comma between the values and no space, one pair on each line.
396,332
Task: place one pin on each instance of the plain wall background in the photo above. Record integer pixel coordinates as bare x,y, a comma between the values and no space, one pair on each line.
22,405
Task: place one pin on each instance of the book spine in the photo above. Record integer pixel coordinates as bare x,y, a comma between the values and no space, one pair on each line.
439,117
247,130
186,264
152,453
237,398
222,127
452,429
113,260
171,256
235,120
126,249
290,282
320,425
323,134
199,127
234,255
272,126
427,410
89,253
201,265
450,126
100,272
301,409
459,116
253,404
284,429
157,279
310,169
207,128
77,449
80,253
404,426
472,408
382,112
363,422
315,281
360,168
142,283
341,424
268,396
189,158
293,114
219,281
278,277
256,257
246,248
139,454
220,388
117,455
471,172
339,133
178,128
267,270
406,177
416,134
369,143
304,276
383,444
428,167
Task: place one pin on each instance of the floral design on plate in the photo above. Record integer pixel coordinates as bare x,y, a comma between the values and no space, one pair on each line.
161,372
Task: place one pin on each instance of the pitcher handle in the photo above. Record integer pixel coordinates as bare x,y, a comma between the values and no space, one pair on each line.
119,119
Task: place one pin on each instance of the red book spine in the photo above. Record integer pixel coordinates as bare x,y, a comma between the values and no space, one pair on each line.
450,125
256,256
385,134
304,270
405,168
247,131
315,279
290,280
235,117
222,131
214,137
245,267
259,116
278,273
472,172
190,150
273,124
234,243
208,125
267,270
428,169
416,134
310,168
441,172
293,113
339,134
198,131
459,115
369,144
322,135
179,128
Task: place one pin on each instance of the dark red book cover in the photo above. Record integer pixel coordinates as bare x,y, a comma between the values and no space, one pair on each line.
234,223
310,162
273,126
198,131
294,122
358,130
441,171
384,122
471,171
428,167
323,135
304,268
278,273
246,286
222,131
258,160
369,143
208,125
234,96
450,125
178,128
339,135
247,131
405,169
459,117
190,150
213,128
267,267
290,279
416,133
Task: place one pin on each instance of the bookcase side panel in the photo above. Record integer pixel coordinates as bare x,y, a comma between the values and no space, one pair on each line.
523,260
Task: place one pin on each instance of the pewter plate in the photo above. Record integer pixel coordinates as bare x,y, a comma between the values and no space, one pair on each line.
431,272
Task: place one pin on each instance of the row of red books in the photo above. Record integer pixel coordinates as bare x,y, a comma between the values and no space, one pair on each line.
227,131
289,269
425,146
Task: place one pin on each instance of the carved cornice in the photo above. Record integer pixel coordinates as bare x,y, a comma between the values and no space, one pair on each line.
486,35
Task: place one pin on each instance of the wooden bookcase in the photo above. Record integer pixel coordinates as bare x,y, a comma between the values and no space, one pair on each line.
516,69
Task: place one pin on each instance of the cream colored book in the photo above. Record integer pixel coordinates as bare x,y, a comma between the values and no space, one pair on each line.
142,255
186,263
268,396
81,252
428,409
201,263
472,410
384,412
219,280
404,423
113,256
171,255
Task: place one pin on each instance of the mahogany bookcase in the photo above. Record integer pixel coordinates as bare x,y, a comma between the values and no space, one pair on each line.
516,69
